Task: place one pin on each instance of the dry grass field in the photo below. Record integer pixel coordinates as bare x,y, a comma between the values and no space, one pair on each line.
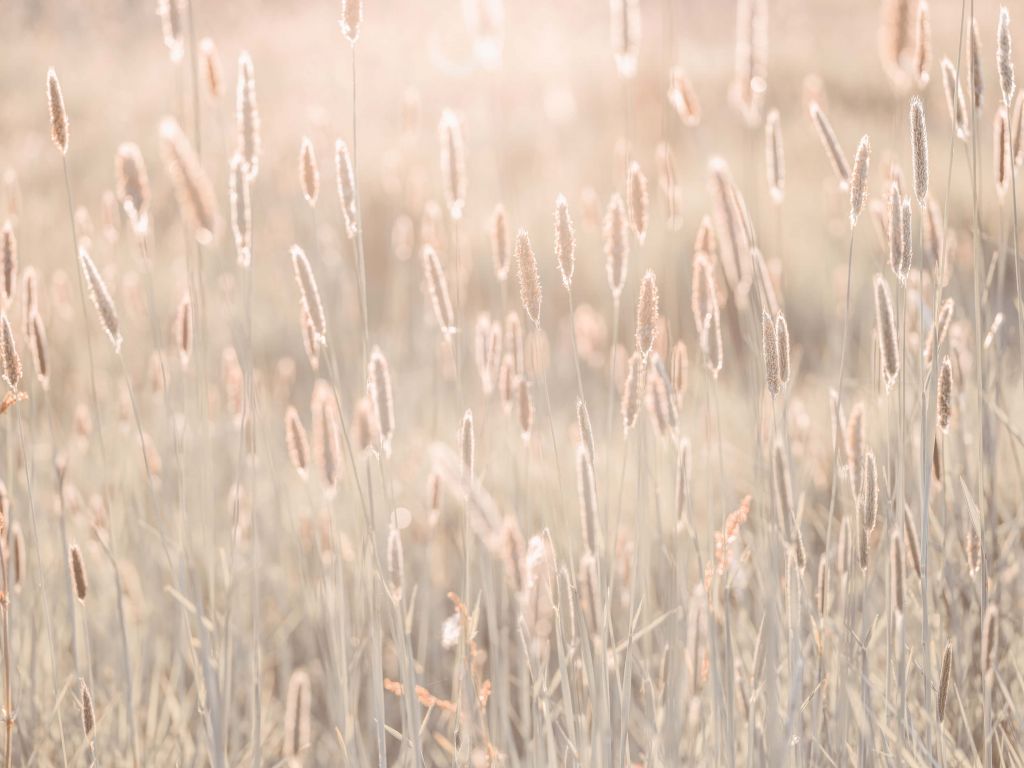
477,383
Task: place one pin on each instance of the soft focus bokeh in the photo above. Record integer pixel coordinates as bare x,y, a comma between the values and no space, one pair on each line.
273,581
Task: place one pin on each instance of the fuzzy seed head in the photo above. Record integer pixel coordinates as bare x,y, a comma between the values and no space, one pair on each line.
639,201
501,247
885,322
78,577
346,187
831,145
58,114
775,157
132,182
309,173
101,299
919,145
565,241
247,117
647,314
529,277
437,284
1004,57
944,404
241,211
309,294
616,244
192,187
453,163
859,180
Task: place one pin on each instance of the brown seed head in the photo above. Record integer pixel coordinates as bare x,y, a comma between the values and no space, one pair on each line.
212,69
919,145
437,284
529,277
58,114
453,163
192,187
1004,57
309,173
565,241
647,314
101,299
248,117
616,244
78,578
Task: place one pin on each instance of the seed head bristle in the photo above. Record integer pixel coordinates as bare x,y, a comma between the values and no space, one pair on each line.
1001,152
565,241
770,351
58,114
170,12
8,263
309,294
944,676
101,299
831,145
638,200
40,356
192,187
868,495
625,31
586,430
944,404
297,442
631,390
955,99
241,211
78,578
588,497
501,248
183,330
351,19
886,327
309,173
437,285
9,358
683,97
1004,57
396,562
775,157
326,441
453,163
919,145
616,244
647,314
529,277
346,187
923,44
859,179
132,185
379,383
975,79
212,69
782,334
906,240
88,714
248,117
682,497
467,445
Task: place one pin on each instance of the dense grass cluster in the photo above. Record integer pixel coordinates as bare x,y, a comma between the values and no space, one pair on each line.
606,425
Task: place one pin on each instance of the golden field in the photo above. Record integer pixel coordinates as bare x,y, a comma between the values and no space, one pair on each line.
530,384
